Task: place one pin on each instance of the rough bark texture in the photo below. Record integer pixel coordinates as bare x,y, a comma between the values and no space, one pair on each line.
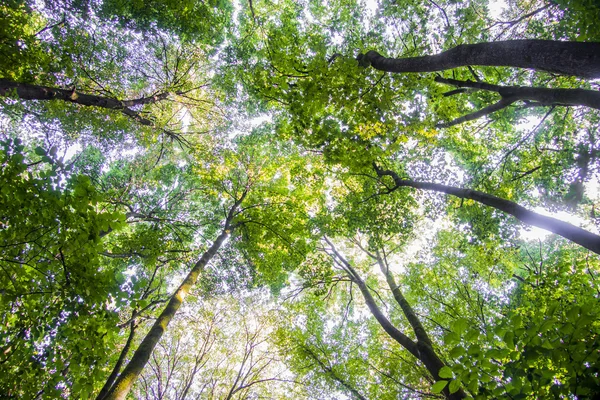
568,58
134,368
575,234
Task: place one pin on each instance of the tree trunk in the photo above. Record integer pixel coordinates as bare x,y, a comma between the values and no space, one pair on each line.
407,310
423,351
387,326
119,364
134,368
575,234
569,58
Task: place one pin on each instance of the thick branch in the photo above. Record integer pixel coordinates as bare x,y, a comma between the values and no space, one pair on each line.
568,58
575,234
499,105
566,97
28,91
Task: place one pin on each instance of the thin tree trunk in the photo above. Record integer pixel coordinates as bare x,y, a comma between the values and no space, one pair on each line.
427,353
422,350
409,313
569,58
387,326
119,364
141,356
27,91
575,234
333,375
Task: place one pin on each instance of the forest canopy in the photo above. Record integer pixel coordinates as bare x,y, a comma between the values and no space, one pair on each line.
299,199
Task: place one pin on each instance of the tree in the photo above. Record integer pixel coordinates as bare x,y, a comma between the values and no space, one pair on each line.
422,348
192,150
51,240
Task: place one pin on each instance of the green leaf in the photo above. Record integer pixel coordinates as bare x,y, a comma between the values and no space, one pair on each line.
509,339
460,325
438,386
573,313
445,372
454,386
40,151
457,352
451,338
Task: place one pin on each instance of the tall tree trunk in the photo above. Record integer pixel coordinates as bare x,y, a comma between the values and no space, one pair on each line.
568,58
137,363
27,91
575,234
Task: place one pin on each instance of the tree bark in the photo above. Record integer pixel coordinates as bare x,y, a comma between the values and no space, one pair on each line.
407,310
387,326
28,91
568,58
141,356
575,234
548,96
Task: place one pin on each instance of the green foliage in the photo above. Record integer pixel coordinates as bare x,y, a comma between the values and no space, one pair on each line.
547,342
204,21
22,57
96,242
55,289
580,16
